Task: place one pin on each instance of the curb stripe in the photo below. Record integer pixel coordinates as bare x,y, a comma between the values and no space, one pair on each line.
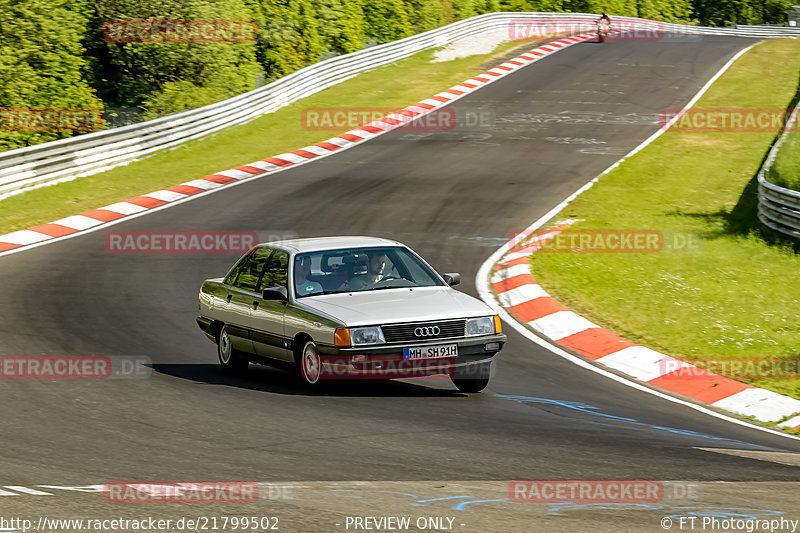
699,384
185,189
328,146
537,308
146,201
251,170
513,282
53,230
278,161
206,183
104,215
595,343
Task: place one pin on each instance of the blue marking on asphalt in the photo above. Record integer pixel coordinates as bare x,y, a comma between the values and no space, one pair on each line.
346,490
420,502
594,411
460,506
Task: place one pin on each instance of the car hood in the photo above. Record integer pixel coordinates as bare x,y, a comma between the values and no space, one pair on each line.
398,305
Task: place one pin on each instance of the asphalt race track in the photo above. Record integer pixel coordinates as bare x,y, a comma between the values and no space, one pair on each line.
454,196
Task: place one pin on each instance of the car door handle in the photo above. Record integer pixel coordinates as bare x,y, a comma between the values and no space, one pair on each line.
229,298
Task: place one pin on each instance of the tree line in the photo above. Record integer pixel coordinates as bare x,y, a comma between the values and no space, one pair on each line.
58,54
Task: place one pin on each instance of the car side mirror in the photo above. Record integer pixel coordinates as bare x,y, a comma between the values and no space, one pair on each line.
453,278
276,293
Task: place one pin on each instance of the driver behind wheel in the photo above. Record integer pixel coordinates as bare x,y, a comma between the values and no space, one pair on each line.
376,262
301,282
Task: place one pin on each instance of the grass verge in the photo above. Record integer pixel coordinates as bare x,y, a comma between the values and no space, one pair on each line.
734,298
266,136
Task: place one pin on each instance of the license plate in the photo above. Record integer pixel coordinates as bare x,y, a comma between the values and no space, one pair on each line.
430,352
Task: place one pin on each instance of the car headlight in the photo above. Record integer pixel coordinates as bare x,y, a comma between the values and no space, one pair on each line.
479,326
370,335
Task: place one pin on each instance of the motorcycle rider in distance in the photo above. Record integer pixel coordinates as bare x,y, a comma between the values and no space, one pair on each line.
603,27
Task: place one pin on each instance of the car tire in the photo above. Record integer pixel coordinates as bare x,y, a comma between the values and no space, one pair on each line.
471,385
475,384
230,360
309,364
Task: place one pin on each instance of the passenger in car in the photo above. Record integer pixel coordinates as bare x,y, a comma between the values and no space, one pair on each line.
376,262
302,284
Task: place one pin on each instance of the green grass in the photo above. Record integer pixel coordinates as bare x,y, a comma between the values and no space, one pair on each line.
786,169
394,86
737,296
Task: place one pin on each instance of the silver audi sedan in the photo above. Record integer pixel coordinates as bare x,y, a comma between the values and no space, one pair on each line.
348,308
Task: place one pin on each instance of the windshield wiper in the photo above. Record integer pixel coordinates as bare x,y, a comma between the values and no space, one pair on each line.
321,292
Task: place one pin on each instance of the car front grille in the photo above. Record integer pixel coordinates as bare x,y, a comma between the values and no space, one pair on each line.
448,329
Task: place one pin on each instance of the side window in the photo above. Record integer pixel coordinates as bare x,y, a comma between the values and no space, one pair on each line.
251,269
277,272
231,277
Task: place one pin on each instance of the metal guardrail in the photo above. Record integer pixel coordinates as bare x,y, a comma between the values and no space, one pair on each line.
779,207
768,27
53,162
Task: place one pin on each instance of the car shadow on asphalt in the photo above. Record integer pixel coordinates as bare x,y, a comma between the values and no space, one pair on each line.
267,379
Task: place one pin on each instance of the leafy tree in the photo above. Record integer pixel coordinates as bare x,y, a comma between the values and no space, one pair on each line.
289,39
424,15
463,9
165,77
728,12
341,25
487,6
448,14
386,20
41,63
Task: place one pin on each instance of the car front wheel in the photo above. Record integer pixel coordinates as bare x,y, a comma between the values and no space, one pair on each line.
230,360
477,383
309,364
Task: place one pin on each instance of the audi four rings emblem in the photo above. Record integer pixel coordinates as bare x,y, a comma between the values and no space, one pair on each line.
427,331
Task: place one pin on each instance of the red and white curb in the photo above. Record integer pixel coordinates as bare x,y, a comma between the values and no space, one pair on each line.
522,297
114,213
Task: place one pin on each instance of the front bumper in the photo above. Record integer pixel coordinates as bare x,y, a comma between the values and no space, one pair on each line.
389,362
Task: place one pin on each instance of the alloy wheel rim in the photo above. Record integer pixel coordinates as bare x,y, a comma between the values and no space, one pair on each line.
311,365
224,347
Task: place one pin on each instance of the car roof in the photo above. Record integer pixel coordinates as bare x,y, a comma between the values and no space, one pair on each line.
330,243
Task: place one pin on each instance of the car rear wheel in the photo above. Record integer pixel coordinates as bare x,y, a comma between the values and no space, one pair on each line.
230,360
309,364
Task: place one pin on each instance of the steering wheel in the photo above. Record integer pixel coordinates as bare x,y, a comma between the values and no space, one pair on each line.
391,278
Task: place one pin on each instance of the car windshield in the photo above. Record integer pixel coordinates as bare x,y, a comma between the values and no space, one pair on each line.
360,269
